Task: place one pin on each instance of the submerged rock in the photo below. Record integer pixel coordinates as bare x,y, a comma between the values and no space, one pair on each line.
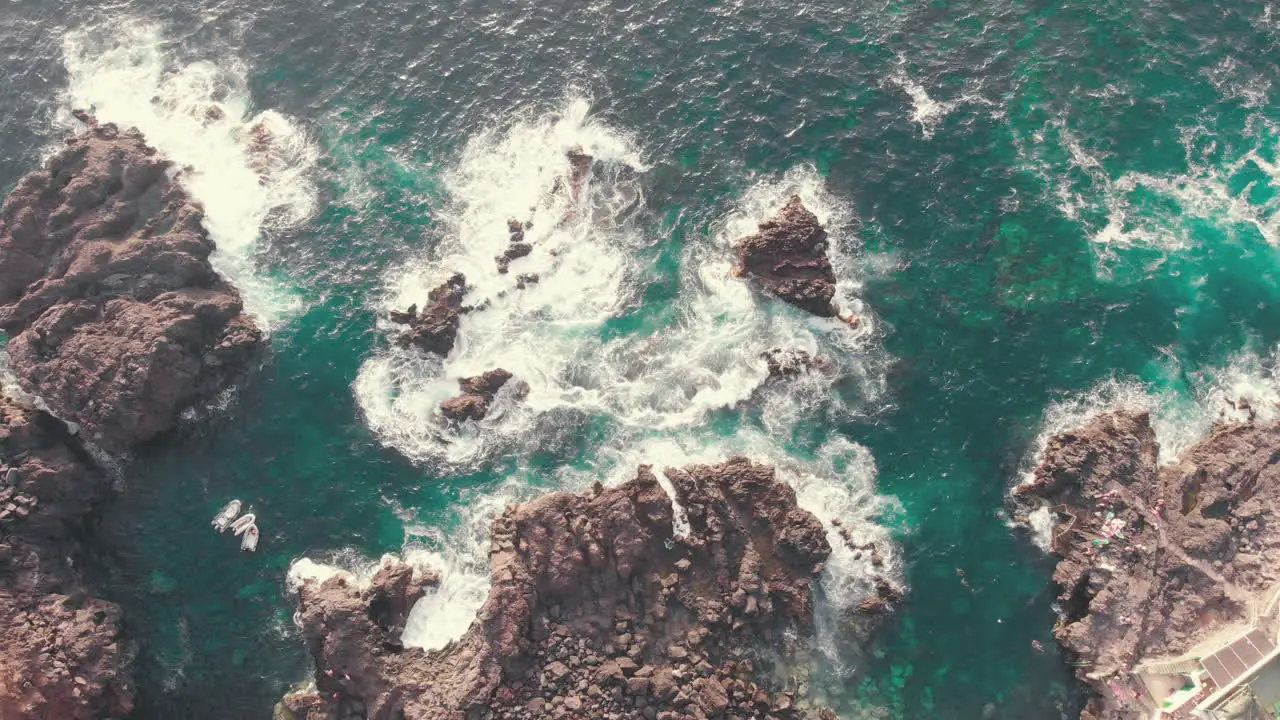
791,362
598,609
435,329
115,316
1154,560
788,257
62,654
477,393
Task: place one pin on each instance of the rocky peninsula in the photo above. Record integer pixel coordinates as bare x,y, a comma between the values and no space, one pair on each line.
1160,566
610,603
116,323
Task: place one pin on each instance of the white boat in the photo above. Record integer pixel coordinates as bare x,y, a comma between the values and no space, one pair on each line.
250,541
226,515
244,523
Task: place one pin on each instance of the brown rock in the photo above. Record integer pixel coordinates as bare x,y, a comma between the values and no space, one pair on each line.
477,393
788,257
435,329
114,314
552,596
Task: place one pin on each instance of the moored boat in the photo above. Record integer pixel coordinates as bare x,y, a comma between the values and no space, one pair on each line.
244,523
250,541
226,515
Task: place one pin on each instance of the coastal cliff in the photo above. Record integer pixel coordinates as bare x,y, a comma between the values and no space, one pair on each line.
1157,564
598,608
116,323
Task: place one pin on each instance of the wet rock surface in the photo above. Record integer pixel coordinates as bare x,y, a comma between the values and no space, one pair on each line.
598,609
477,394
435,328
788,257
115,316
61,651
1155,560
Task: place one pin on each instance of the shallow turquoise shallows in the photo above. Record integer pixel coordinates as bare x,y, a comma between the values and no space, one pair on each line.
1043,206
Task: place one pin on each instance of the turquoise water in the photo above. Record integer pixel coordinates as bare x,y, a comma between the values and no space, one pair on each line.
1032,200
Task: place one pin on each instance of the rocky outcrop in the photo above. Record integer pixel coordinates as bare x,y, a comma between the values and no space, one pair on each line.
61,653
1155,559
114,314
598,609
435,329
477,393
788,257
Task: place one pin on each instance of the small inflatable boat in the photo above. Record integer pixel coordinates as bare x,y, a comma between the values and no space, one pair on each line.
226,515
250,541
244,523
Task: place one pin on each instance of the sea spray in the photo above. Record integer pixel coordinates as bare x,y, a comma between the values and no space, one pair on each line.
250,171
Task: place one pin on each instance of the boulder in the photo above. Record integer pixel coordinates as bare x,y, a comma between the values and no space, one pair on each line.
788,257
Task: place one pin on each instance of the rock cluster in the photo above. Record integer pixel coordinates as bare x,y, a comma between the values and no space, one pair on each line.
435,328
598,609
61,653
477,393
517,249
115,316
788,257
1154,559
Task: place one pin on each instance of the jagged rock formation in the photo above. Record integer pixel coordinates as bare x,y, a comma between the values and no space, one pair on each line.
788,257
115,316
1155,559
598,610
477,393
435,329
61,654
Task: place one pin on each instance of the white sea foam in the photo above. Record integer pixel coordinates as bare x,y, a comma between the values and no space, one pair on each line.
925,111
250,170
705,357
1160,211
582,255
459,550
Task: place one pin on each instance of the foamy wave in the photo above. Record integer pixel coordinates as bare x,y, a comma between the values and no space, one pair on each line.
707,357
1220,185
251,171
541,333
925,111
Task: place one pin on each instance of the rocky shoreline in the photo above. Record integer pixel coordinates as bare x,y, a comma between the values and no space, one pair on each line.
116,323
1154,560
598,608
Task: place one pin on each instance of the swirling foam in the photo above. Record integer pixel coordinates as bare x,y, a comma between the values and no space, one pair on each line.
250,171
539,333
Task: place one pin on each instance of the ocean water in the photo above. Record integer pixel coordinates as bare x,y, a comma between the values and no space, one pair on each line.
1040,210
